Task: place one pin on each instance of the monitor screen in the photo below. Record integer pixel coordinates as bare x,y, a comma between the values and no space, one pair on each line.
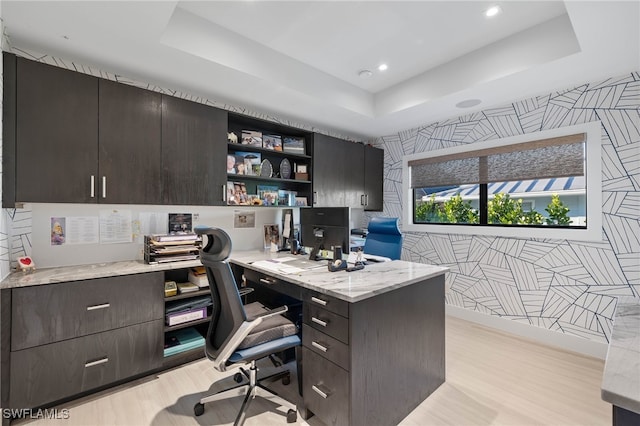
324,227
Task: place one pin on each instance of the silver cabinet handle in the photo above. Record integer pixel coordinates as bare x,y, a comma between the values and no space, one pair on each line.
95,307
318,321
314,197
319,346
267,281
362,202
319,392
97,362
224,193
104,187
319,301
366,199
93,186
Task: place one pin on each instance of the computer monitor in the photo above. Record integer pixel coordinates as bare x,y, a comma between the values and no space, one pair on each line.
323,228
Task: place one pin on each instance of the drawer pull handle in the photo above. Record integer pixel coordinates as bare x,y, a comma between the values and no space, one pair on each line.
97,362
319,301
267,281
319,321
319,392
95,307
319,346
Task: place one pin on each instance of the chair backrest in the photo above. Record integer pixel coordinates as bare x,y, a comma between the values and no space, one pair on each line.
384,238
228,312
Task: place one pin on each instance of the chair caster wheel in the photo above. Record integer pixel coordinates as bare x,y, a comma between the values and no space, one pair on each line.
198,410
292,416
238,377
286,380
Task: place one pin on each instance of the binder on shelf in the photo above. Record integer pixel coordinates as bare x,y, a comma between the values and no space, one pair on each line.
181,317
182,340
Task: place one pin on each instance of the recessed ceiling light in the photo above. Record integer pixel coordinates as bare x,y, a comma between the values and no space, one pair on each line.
468,103
365,73
382,67
492,11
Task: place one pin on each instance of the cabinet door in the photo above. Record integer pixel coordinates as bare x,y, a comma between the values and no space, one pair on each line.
373,178
328,171
56,133
354,174
130,157
194,148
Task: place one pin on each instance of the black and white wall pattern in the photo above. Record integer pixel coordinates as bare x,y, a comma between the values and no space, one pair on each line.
566,286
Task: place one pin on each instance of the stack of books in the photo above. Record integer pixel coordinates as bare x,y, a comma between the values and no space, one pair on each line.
161,248
198,276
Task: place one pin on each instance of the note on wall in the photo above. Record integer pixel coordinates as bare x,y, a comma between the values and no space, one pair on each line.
82,230
115,226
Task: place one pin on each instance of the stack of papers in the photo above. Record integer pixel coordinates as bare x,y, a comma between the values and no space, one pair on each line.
289,265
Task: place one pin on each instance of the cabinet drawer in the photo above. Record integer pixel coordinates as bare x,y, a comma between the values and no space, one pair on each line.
327,322
326,346
329,303
267,281
58,370
50,313
325,389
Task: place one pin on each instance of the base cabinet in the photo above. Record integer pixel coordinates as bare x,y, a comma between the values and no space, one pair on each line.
58,370
62,340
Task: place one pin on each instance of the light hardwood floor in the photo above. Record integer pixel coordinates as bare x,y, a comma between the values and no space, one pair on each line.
493,378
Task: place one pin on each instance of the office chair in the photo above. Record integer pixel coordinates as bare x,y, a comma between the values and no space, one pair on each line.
384,238
241,334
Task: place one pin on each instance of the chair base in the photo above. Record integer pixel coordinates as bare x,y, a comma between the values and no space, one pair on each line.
254,388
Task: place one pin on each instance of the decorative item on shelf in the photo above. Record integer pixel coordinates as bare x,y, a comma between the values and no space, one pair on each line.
273,142
261,190
252,138
293,144
287,198
247,163
232,137
170,288
266,169
26,264
301,172
301,201
285,169
240,196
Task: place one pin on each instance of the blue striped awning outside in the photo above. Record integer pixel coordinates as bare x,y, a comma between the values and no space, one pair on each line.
555,185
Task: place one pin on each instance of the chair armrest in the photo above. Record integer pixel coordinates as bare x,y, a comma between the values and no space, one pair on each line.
245,290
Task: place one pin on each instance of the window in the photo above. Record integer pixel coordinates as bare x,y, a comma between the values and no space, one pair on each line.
549,181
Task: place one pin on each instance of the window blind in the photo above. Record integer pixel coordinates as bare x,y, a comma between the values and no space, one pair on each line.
545,158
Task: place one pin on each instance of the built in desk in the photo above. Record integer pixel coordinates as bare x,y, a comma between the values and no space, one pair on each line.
373,341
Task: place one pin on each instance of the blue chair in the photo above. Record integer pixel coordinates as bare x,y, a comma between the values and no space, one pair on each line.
384,238
241,334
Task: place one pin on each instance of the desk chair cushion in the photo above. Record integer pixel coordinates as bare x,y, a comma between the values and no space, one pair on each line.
270,328
384,238
265,349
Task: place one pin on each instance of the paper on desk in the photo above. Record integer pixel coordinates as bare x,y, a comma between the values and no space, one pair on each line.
276,266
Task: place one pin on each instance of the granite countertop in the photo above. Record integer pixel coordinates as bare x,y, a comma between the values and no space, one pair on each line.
621,377
375,278
86,272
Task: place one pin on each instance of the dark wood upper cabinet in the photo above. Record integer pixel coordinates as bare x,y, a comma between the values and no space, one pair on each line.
373,178
346,174
56,138
130,144
328,171
194,152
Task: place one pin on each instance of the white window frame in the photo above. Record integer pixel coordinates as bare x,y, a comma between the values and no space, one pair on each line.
593,171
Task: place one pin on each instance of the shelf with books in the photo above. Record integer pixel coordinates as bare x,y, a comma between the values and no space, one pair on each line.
261,153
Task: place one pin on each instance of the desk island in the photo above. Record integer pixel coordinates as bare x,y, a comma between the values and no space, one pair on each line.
373,340
373,343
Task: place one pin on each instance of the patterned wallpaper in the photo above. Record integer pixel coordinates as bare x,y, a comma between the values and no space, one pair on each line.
562,285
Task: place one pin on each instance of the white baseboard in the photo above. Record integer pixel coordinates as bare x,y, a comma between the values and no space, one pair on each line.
541,335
